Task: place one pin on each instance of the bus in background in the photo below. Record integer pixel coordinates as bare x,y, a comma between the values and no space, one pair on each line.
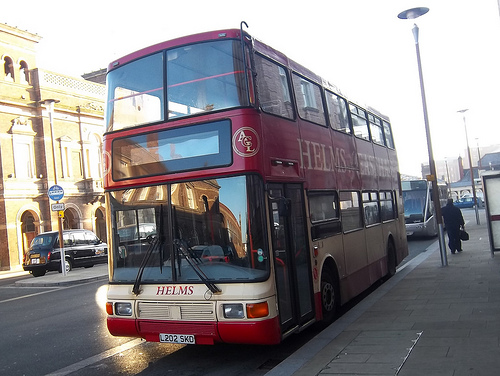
419,207
262,199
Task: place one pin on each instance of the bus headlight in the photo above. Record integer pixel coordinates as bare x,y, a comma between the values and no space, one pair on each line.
123,309
233,311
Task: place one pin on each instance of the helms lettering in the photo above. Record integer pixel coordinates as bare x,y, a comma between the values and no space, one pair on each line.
175,290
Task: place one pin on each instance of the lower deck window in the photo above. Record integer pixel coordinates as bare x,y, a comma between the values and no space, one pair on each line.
215,233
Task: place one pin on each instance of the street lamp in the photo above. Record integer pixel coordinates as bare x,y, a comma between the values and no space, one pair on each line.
410,14
49,105
470,168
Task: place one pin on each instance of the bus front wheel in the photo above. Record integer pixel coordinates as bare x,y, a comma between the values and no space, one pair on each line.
329,295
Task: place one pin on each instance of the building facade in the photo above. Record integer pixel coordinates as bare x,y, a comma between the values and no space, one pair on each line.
457,173
42,145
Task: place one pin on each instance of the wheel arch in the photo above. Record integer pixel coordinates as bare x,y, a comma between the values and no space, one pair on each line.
329,267
392,255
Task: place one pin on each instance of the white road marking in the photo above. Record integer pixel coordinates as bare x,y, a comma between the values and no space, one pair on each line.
96,358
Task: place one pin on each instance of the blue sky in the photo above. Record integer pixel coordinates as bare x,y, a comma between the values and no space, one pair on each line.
358,45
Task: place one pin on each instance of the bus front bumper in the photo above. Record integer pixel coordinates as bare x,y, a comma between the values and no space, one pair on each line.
262,332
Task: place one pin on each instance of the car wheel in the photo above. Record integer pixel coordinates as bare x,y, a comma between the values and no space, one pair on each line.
68,266
38,273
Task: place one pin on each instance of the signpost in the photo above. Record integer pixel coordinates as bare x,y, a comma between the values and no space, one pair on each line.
57,207
56,193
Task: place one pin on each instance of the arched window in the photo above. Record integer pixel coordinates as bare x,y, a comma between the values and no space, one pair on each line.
8,68
24,73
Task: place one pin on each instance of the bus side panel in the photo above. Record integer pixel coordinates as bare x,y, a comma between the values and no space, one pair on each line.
281,141
376,251
367,164
355,284
317,156
346,161
356,260
393,171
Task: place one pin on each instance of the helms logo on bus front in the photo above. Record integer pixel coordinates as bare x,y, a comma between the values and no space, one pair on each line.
246,142
175,290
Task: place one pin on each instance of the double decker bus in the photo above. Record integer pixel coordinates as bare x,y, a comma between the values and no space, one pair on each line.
419,209
246,198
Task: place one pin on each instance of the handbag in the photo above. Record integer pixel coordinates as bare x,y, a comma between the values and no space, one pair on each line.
463,235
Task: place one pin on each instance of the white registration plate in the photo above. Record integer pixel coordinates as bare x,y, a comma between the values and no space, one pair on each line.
186,339
35,261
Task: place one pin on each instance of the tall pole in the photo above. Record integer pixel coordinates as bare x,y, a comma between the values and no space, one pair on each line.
412,14
471,169
432,164
49,103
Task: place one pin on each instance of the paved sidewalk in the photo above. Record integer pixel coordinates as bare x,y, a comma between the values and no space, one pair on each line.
427,320
77,275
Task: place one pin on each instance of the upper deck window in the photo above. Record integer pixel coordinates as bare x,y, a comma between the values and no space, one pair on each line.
274,91
309,101
376,129
205,77
359,122
199,78
337,111
135,93
388,135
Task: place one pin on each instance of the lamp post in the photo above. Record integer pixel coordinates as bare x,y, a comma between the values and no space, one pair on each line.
470,168
410,14
49,105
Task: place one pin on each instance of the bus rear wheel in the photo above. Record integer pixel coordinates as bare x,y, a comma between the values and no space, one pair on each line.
329,296
391,259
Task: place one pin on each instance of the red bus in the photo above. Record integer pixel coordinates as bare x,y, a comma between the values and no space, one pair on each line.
246,198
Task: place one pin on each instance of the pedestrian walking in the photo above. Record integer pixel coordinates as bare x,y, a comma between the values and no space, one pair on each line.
453,221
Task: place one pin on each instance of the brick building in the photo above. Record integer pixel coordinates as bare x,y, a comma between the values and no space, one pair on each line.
33,136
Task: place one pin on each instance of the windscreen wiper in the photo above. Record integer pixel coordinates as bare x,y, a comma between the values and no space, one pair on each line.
183,248
136,289
160,235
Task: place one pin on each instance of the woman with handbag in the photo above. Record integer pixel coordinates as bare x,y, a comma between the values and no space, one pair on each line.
454,223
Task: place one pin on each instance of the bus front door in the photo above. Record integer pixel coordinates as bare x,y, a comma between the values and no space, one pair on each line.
291,256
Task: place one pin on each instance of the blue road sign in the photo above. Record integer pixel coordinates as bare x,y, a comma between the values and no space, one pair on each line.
56,192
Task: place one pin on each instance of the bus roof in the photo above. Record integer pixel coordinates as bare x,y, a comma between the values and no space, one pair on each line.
258,46
210,35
